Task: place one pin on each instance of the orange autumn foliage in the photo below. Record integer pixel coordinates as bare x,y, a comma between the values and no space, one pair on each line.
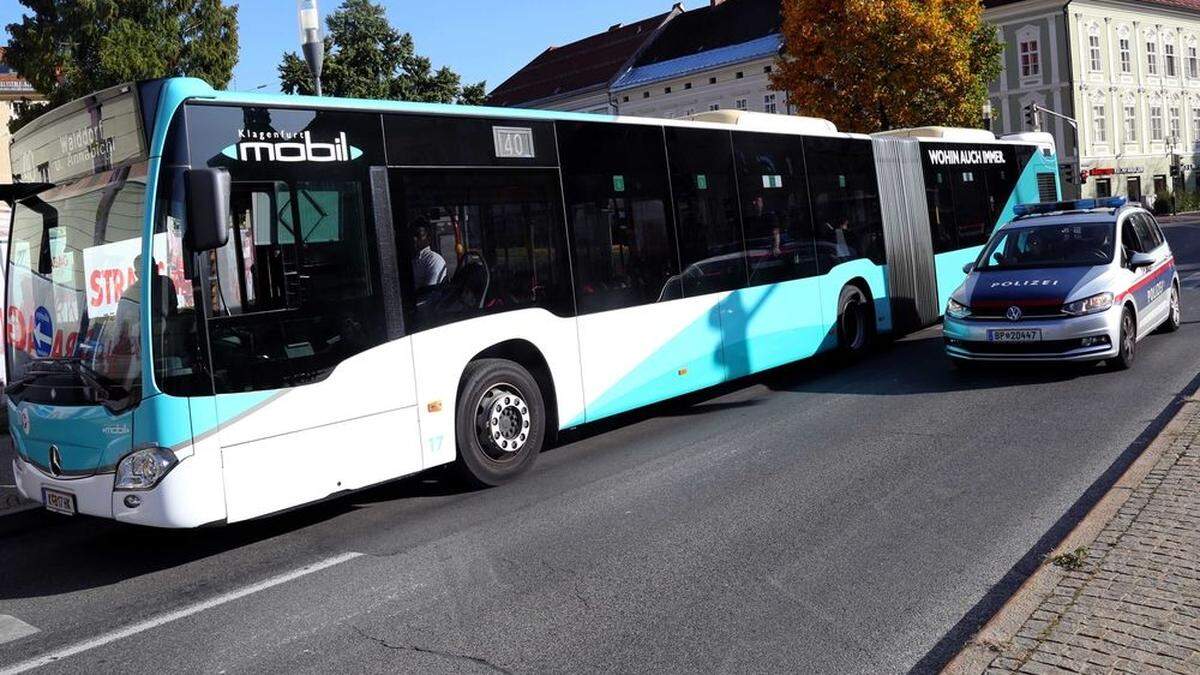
871,65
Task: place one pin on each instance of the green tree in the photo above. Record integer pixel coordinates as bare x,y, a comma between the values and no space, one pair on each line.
871,65
70,48
365,57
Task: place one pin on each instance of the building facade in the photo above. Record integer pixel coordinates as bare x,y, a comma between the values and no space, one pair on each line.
716,57
1127,72
15,93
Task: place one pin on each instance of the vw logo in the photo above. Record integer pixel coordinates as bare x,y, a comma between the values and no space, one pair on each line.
1013,313
55,461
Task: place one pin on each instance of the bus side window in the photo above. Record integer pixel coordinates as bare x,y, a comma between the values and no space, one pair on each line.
615,179
481,242
776,218
845,199
706,210
943,225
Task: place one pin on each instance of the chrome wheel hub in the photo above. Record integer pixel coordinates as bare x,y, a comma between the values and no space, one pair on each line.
502,420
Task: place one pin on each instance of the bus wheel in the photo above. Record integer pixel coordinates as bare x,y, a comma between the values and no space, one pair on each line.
854,322
500,422
1128,345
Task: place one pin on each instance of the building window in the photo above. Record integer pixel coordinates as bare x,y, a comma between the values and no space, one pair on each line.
1031,65
666,90
1094,52
738,75
687,85
1156,123
740,104
1099,124
712,80
645,94
1169,57
714,106
769,104
1193,65
1175,125
1130,123
624,99
1126,56
767,69
1196,124
1152,58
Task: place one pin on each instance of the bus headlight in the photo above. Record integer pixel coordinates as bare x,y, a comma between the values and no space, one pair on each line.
1091,305
957,310
143,469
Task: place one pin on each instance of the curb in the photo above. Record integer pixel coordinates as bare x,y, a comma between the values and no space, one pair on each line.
14,503
978,653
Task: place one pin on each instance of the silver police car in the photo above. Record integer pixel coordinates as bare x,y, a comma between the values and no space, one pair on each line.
1066,281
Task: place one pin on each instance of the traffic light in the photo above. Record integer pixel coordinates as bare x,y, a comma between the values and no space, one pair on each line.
1031,116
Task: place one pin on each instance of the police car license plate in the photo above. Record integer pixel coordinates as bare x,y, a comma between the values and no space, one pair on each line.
1015,335
59,502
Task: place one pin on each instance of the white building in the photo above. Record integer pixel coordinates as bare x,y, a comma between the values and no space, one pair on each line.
715,57
1127,70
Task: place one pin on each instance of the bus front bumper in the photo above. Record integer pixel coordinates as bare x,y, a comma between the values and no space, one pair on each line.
190,495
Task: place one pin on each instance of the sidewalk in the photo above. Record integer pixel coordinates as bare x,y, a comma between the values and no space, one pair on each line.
1131,601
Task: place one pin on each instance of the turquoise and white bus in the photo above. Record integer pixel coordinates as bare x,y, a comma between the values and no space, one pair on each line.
221,305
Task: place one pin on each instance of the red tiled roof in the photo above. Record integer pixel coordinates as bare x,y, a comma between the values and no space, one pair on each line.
592,61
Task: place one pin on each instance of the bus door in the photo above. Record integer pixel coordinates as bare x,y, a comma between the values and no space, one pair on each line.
314,379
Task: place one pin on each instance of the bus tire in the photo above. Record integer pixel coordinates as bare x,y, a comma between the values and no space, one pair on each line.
1127,347
500,422
855,322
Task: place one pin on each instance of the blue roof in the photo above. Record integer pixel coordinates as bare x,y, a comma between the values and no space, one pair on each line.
664,70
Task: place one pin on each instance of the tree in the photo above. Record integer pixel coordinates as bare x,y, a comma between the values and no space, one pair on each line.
365,57
871,65
70,48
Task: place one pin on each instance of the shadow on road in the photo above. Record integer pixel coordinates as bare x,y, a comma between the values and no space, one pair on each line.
43,554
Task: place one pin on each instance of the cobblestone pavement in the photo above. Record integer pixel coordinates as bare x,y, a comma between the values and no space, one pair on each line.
1134,603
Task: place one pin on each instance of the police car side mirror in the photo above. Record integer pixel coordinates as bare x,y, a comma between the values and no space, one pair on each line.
968,268
207,208
1139,260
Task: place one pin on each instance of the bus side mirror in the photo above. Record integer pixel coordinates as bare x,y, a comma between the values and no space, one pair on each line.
968,268
207,209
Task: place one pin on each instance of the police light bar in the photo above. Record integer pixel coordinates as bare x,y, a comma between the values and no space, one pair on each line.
1074,205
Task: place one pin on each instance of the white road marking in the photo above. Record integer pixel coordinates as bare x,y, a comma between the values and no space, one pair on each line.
12,628
149,624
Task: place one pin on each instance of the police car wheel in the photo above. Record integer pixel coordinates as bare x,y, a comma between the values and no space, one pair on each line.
1175,317
854,322
500,422
1127,347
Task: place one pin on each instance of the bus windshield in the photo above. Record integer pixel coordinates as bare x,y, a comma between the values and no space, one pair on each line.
73,294
1059,245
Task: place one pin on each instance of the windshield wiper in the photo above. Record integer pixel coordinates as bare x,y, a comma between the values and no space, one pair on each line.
111,395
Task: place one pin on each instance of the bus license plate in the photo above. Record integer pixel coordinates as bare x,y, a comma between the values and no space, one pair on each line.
1015,335
59,502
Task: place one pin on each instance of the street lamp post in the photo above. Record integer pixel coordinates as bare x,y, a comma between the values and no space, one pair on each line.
310,39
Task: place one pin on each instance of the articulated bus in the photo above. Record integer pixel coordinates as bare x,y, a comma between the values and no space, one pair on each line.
223,305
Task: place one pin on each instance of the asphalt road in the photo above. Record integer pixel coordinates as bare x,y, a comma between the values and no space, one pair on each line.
816,518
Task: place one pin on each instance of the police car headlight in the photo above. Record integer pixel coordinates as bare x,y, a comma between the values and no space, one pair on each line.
1096,303
143,469
957,310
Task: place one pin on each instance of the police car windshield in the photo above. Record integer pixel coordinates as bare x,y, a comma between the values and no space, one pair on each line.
1051,245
